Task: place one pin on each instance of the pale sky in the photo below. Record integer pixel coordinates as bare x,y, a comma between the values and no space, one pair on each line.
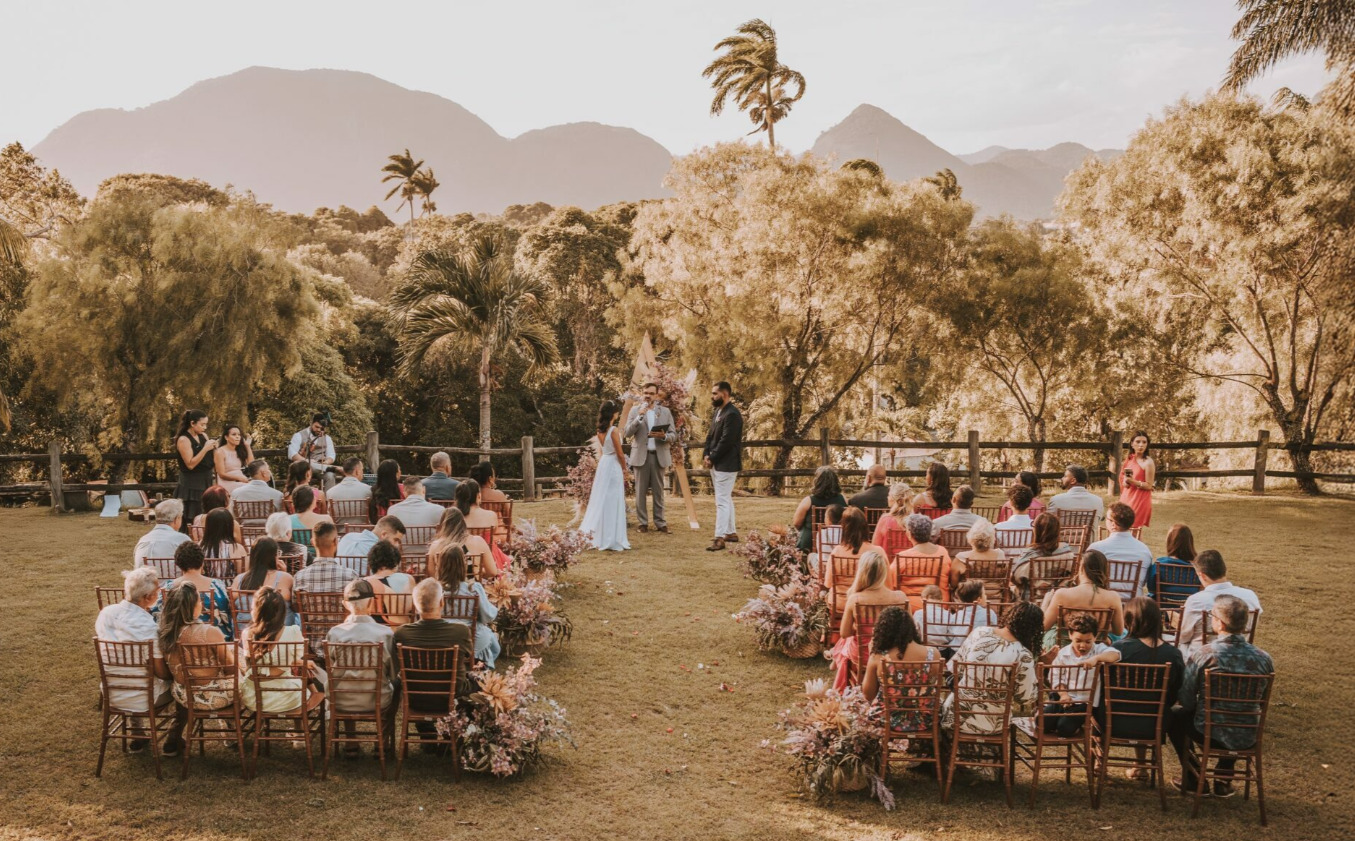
966,73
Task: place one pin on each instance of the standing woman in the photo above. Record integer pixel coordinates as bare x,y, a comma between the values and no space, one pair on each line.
1139,472
233,451
605,516
938,493
194,451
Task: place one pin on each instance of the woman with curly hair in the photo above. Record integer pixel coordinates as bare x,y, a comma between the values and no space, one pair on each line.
897,640
1017,641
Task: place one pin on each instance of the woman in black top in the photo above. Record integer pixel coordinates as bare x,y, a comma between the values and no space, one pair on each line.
194,451
1142,644
825,491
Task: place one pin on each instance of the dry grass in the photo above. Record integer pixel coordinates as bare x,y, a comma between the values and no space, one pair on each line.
620,679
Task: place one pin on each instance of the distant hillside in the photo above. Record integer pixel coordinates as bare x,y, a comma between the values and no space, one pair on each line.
999,180
312,138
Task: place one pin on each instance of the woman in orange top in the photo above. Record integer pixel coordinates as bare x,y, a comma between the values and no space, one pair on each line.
890,535
1137,480
920,531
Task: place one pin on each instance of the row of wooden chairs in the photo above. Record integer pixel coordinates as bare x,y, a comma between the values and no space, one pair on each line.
1135,702
347,511
356,671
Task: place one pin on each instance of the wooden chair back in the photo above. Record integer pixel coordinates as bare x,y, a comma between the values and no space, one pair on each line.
955,540
505,511
242,608
991,513
1207,626
319,612
1125,578
841,574
254,512
1014,541
994,574
297,702
349,512
356,563
1073,517
932,512
1102,615
357,676
306,537
1076,679
195,533
485,533
946,624
982,704
126,667
1175,583
396,608
108,595
1075,536
222,569
165,568
1104,532
866,616
895,540
1046,574
913,575
445,503
417,539
1136,701
252,534
873,516
1238,703
210,668
428,692
826,539
295,561
463,609
911,694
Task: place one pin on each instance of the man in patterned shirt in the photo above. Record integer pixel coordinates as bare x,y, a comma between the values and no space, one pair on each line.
1230,653
324,575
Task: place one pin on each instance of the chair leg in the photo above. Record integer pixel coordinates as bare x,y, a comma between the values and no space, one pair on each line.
305,724
402,749
188,741
332,728
1034,775
1200,774
1159,774
1101,768
155,745
103,741
240,742
1008,768
950,770
260,732
1260,788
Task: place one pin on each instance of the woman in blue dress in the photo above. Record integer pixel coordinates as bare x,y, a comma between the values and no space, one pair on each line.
451,567
216,604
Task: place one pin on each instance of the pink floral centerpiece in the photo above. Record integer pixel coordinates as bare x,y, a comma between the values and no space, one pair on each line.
503,726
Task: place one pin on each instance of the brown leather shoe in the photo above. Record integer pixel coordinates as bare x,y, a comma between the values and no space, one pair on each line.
644,529
664,529
716,545
731,538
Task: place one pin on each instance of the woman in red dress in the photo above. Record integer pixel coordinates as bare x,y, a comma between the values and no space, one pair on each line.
1137,481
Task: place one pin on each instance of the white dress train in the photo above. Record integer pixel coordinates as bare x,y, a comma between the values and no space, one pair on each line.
605,517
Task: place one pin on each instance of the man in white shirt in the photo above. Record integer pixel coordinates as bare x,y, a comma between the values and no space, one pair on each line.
960,517
1020,497
257,489
352,486
359,597
314,445
1122,545
130,620
359,543
1076,497
415,509
165,537
1213,574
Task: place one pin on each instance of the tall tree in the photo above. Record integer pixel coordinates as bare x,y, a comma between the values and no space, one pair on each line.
751,73
790,278
405,172
1231,226
425,182
1273,30
473,303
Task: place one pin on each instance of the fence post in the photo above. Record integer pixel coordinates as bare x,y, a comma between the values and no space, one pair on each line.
824,457
1116,448
975,474
54,476
528,470
1258,480
373,450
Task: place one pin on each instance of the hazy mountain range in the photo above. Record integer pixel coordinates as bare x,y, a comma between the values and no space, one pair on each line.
303,139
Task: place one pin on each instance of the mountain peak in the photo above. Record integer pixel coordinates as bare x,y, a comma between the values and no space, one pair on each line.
873,133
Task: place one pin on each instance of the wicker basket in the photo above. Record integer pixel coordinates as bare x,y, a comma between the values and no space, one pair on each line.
517,644
844,781
811,647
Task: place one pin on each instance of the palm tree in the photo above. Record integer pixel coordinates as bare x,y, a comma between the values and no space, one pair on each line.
1273,30
403,170
425,182
750,73
473,303
945,181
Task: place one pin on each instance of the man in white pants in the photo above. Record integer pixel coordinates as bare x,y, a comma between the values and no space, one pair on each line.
723,457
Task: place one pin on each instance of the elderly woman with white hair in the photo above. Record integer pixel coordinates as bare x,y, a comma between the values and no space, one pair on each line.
130,620
912,581
279,527
164,537
982,539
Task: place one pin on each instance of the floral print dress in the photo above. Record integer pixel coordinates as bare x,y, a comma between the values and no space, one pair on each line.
987,646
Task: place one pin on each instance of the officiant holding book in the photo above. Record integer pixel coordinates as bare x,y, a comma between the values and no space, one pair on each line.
650,428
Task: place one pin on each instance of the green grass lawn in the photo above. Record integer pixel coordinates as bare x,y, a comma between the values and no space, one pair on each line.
653,642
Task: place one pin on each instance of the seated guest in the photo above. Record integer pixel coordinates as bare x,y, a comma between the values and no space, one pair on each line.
216,602
974,614
871,587
920,531
896,640
269,624
830,535
1229,652
1045,544
279,527
451,566
351,485
853,542
1037,506
824,492
1019,498
258,488
960,517
164,537
219,537
432,631
932,615
439,484
263,571
359,627
1015,641
937,493
388,489
972,593
890,535
1213,574
876,493
1143,645
130,620
303,503
1076,497
1092,590
324,574
356,544
1069,701
981,536
181,624
299,474
468,500
415,509
213,498
383,564
1122,545
489,482
452,533
1180,554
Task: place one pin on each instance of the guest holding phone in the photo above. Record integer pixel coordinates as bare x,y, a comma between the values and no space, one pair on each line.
1137,480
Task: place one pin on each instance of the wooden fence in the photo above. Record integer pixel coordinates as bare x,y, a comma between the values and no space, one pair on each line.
532,486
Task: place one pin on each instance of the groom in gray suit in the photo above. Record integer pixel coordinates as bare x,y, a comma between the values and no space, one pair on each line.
650,456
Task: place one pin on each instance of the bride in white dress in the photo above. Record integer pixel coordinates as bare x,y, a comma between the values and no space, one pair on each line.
605,517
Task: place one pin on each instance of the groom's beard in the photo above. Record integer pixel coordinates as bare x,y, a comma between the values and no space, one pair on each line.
717,403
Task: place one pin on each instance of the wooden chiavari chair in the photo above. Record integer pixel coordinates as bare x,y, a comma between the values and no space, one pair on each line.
254,512
428,680
1136,704
981,706
301,707
1041,750
1236,702
357,696
911,696
126,669
208,670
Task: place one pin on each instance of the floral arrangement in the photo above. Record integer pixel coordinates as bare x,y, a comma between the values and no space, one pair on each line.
579,481
835,738
529,616
554,550
504,725
791,618
773,559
